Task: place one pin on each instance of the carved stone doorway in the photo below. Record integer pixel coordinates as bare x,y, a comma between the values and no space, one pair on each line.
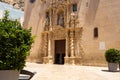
59,51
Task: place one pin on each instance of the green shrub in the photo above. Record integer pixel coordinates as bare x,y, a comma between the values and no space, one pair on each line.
119,57
15,44
112,55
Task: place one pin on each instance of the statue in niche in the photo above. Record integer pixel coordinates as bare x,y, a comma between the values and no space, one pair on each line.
47,21
47,18
47,25
60,20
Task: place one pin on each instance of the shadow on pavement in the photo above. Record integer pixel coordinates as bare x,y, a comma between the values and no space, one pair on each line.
110,71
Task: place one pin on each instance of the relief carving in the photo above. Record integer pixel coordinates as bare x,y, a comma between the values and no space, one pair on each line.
58,33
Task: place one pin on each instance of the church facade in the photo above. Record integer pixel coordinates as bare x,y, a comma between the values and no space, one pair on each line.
76,32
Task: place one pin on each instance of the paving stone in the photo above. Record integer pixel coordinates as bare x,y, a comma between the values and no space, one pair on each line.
67,72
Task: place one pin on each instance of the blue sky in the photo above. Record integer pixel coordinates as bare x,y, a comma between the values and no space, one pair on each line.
14,13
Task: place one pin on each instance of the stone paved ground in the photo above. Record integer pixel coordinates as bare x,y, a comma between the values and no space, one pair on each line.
67,72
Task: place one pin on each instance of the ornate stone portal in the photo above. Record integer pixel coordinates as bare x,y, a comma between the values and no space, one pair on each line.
61,24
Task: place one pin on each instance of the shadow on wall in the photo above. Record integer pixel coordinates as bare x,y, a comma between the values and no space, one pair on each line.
92,10
29,8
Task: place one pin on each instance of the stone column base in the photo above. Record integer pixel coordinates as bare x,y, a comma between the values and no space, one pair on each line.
73,61
66,60
47,60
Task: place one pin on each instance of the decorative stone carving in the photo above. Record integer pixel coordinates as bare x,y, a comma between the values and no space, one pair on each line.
72,33
58,33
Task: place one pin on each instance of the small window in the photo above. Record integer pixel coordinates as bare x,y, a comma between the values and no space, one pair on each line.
95,32
74,7
32,1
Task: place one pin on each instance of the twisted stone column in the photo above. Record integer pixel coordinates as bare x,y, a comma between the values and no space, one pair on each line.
46,44
72,43
72,57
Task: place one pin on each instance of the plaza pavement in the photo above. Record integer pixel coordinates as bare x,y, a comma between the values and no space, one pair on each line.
67,72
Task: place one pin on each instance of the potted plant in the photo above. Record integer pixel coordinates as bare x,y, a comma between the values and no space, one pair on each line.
112,57
119,60
15,44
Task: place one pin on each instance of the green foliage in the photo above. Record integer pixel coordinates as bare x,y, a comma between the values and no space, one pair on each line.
119,57
15,44
112,55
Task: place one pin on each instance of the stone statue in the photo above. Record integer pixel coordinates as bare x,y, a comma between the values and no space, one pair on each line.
61,20
47,22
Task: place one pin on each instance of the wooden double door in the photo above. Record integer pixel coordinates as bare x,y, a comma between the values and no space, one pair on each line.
59,51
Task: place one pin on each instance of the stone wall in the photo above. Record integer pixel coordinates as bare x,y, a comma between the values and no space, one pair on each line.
103,14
